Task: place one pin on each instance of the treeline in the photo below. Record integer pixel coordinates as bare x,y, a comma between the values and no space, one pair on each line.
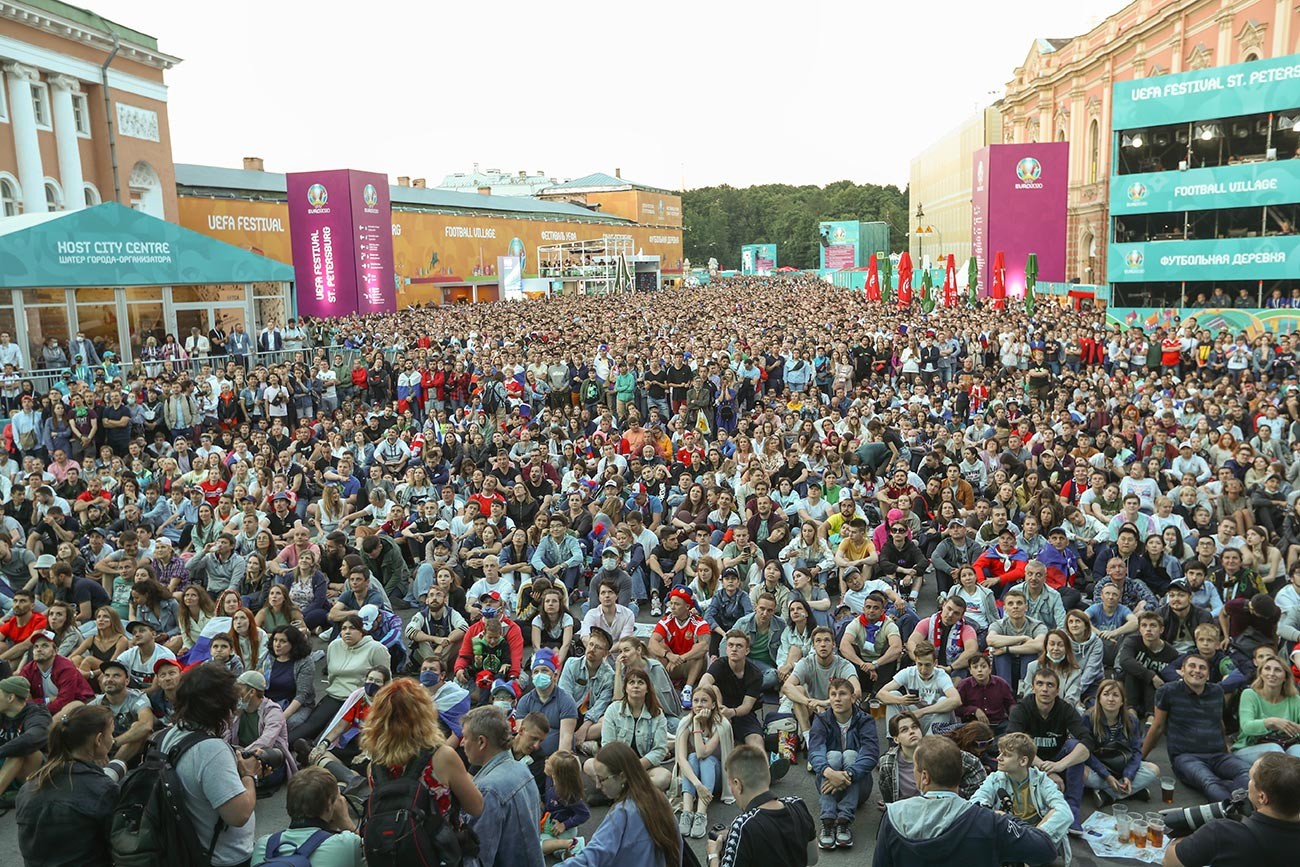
720,219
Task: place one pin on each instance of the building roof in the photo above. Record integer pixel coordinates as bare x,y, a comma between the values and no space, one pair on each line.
112,245
599,181
93,20
222,180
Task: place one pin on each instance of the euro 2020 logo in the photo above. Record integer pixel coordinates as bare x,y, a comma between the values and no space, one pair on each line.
1029,170
1133,261
369,195
317,195
1137,191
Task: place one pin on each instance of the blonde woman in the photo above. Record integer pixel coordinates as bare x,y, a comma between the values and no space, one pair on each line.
108,642
1270,714
327,514
704,740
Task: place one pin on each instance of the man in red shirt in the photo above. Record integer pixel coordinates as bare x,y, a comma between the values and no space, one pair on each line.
681,642
16,631
1171,350
487,496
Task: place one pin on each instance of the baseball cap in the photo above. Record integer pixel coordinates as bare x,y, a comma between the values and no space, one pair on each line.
130,627
1184,445
43,633
369,613
955,522
441,525
893,515
45,561
111,663
164,663
254,679
846,496
1179,584
1057,530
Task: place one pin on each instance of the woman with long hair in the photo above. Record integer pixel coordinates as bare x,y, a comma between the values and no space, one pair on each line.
401,729
290,674
248,639
796,638
108,641
62,621
1057,656
701,751
279,610
153,603
66,808
1270,714
553,625
637,718
704,586
639,823
1115,770
1088,648
978,739
308,590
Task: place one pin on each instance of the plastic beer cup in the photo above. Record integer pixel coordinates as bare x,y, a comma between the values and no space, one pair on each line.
1122,822
1167,789
1138,830
1156,832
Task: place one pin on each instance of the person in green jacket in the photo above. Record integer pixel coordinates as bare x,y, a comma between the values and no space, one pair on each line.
1269,713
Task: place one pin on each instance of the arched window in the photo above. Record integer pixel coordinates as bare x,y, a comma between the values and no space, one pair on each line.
92,196
53,195
146,190
11,197
1094,151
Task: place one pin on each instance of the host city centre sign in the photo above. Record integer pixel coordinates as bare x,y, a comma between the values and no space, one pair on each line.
1240,186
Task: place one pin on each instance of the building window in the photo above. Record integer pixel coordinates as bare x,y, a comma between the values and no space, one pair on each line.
11,199
81,114
92,196
41,105
1094,151
53,195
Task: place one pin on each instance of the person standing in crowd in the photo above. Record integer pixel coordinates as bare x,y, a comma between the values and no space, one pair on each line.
937,827
507,827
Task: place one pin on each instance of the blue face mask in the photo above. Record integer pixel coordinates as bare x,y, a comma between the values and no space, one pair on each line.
430,679
371,689
542,680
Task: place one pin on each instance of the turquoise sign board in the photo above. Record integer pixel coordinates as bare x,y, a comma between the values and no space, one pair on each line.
1207,94
1276,257
1254,321
111,245
1241,186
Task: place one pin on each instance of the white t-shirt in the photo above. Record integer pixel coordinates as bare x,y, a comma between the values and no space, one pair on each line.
928,691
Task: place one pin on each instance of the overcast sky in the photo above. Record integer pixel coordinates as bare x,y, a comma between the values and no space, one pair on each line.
700,92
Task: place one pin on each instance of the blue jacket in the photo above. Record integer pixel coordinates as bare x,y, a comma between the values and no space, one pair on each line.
507,827
941,829
621,839
825,736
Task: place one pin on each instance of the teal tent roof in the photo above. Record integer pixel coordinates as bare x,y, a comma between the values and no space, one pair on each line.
111,245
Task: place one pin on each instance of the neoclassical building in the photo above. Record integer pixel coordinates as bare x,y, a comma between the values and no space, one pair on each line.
1062,91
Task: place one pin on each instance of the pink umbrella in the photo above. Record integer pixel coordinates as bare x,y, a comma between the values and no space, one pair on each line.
950,283
905,280
998,281
873,279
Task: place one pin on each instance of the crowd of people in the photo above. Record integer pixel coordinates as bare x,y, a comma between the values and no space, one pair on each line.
449,578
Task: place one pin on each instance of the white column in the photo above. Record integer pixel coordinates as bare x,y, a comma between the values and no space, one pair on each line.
62,88
23,117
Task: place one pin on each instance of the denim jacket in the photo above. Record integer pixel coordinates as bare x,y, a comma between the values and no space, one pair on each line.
651,731
507,828
749,625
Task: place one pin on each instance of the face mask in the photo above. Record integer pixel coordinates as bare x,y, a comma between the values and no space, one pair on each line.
1057,658
371,689
611,565
430,679
542,680
504,704
241,706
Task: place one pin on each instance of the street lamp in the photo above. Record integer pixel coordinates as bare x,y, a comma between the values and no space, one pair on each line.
920,215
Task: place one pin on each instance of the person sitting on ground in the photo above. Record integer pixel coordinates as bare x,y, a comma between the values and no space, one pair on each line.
1115,769
681,642
924,689
56,683
321,826
985,697
1063,740
1026,792
843,751
24,727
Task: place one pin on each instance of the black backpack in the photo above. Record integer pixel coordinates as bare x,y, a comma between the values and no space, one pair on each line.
290,855
150,825
401,827
491,398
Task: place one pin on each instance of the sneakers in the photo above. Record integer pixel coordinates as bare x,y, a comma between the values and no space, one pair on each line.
778,766
686,697
1102,798
700,826
575,848
843,835
826,839
685,822
655,609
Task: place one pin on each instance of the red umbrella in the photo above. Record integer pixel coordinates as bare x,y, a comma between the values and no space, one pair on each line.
873,279
950,283
998,281
905,280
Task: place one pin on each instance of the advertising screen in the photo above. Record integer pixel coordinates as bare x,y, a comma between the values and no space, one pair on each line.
840,245
1239,186
1021,209
1273,258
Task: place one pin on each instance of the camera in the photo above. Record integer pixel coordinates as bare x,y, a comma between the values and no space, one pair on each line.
717,832
1179,822
270,757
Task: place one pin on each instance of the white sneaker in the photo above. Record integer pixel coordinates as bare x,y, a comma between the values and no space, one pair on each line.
655,610
686,697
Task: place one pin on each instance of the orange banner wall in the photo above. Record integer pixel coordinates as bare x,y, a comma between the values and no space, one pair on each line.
451,247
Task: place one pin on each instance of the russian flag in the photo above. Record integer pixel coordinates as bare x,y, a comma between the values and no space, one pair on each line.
202,650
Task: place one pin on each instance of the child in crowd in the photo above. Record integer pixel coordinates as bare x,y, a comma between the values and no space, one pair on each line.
563,807
223,653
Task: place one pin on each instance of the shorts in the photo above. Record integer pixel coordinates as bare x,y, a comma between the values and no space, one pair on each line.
744,726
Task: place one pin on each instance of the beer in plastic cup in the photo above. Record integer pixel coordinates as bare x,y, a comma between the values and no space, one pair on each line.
1122,822
877,709
1138,830
1167,789
1156,833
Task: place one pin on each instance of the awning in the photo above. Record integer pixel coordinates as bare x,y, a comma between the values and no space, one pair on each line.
111,245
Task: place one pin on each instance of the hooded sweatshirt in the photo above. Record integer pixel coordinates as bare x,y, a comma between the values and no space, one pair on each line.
348,665
941,829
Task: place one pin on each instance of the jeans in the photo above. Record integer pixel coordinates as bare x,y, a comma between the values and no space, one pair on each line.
1144,777
843,805
1011,667
770,679
708,769
1249,754
1214,775
1073,779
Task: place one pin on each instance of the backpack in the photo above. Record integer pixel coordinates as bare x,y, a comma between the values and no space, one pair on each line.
150,826
299,855
590,391
491,398
401,827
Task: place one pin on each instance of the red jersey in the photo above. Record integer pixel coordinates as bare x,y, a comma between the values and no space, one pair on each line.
485,501
681,637
17,632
